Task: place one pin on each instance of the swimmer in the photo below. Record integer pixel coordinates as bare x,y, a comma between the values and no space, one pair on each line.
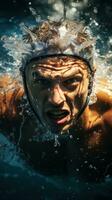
67,135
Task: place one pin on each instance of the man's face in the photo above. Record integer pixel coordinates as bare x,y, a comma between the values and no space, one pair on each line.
58,88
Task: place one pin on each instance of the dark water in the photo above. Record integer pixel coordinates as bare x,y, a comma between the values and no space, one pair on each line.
17,180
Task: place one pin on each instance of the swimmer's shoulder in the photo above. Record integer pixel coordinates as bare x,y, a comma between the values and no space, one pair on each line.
103,107
11,94
103,102
104,99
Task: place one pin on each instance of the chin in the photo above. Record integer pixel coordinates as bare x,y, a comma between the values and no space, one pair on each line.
60,130
57,127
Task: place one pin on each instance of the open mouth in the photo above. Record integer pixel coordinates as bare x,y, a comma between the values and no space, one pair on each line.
58,116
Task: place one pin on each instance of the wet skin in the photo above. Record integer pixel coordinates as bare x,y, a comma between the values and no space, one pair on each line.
87,150
58,88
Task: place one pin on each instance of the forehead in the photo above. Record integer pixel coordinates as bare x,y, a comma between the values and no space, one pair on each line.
58,66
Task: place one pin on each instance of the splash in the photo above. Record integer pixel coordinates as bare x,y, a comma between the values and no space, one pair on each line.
35,14
103,77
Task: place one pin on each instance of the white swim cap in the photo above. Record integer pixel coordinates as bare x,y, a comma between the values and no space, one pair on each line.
61,37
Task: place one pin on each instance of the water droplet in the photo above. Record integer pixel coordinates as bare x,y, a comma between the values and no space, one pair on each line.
56,143
95,10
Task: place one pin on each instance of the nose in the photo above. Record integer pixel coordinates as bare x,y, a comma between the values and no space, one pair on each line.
57,96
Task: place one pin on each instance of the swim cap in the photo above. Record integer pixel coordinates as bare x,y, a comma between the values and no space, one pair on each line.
61,37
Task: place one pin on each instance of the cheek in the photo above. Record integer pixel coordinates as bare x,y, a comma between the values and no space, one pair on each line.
70,99
77,97
39,95
82,93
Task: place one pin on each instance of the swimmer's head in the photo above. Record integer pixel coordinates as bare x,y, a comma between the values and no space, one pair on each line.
58,72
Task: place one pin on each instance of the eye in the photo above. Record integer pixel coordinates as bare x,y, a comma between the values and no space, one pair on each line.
72,83
41,81
73,80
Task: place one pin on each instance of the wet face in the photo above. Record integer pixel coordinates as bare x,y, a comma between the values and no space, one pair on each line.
57,88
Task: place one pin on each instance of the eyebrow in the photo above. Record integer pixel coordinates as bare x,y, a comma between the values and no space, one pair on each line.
74,72
67,76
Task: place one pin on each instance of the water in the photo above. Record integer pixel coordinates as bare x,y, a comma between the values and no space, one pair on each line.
17,179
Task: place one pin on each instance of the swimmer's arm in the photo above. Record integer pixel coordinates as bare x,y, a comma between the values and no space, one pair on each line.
11,93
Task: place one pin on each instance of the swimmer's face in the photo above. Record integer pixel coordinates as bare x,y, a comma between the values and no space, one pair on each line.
58,88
